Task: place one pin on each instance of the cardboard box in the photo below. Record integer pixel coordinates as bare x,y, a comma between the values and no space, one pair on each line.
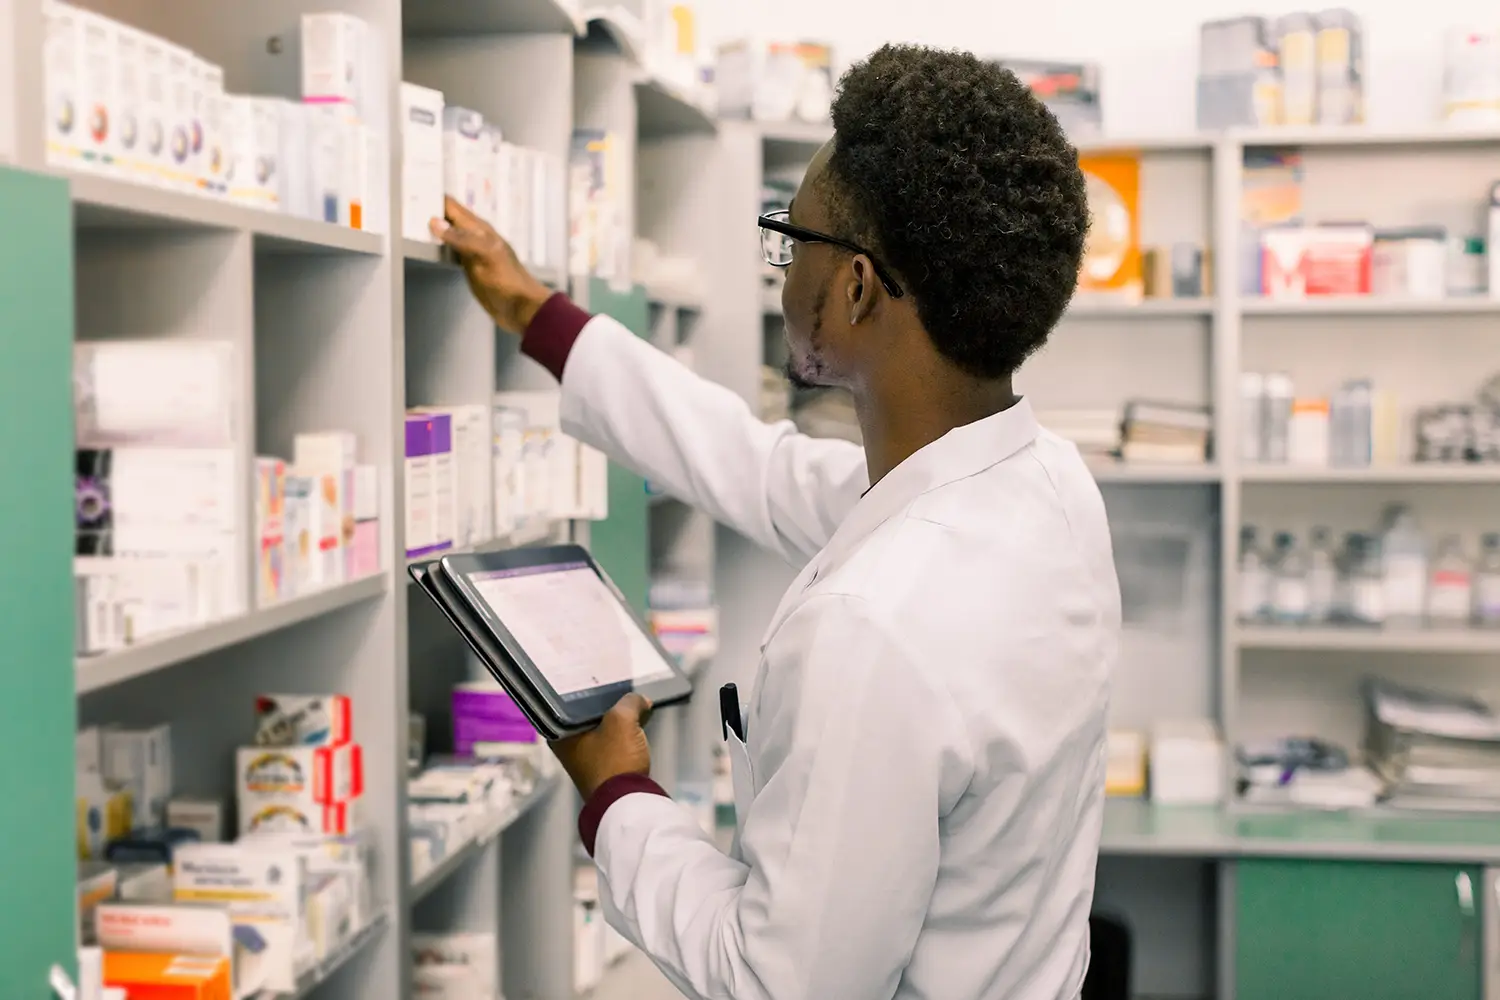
182,79
140,761
67,105
96,86
209,153
155,393
255,139
129,89
297,528
168,977
317,720
471,463
270,530
103,813
281,817
259,884
1299,262
1112,258
464,154
325,527
97,883
304,776
205,817
422,175
339,62
156,125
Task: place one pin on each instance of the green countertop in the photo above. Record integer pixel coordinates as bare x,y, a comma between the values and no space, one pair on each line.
1136,827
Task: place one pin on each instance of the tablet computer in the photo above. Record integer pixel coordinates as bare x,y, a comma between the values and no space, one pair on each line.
554,631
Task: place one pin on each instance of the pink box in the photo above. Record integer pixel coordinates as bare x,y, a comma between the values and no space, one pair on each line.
362,558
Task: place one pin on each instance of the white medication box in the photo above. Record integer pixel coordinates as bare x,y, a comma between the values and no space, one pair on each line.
62,55
156,123
473,483
1187,763
181,171
260,885
298,775
96,87
205,817
155,392
319,720
129,91
464,150
338,63
255,138
297,558
421,160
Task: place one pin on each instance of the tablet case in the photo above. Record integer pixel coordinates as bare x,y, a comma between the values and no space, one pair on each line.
433,581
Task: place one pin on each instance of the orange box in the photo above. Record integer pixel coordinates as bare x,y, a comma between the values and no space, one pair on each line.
1112,256
145,976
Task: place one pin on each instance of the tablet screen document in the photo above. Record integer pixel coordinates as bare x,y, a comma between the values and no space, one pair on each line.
572,626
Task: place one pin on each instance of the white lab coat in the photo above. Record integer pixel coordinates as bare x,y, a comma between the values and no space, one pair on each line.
926,730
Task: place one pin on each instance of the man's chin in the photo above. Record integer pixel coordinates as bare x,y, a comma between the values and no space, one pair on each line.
798,380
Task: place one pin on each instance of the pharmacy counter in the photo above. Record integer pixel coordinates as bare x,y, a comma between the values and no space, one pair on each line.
1136,827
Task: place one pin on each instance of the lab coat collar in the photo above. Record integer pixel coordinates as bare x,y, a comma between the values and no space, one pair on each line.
962,452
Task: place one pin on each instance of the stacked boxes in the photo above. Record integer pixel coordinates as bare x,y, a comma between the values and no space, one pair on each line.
431,484
1300,69
128,104
304,774
562,477
328,459
472,474
328,530
422,162
455,966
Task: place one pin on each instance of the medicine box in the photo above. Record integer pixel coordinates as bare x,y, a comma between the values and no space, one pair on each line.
140,761
97,883
143,882
1187,763
339,65
270,529
298,775
1303,261
155,393
476,954
255,140
205,817
325,136
366,498
276,817
421,160
156,126
330,913
96,87
182,78
157,927
209,153
295,189
257,881
471,463
319,720
430,484
325,562
104,812
464,151
145,976
129,96
88,750
491,143
66,102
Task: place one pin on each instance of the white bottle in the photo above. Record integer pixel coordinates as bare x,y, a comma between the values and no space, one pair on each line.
1276,437
1322,578
1289,590
1450,591
1404,562
1254,580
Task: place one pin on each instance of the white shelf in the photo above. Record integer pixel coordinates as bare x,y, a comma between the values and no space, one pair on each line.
457,858
97,672
1369,305
1374,640
310,980
1360,135
431,254
794,133
488,17
663,111
1193,142
1151,475
1145,309
1431,472
101,202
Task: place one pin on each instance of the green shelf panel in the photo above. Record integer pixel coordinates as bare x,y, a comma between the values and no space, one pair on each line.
38,867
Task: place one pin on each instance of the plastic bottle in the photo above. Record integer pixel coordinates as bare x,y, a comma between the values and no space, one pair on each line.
1404,561
1487,583
1254,580
1322,578
1367,583
1289,596
1450,590
1278,416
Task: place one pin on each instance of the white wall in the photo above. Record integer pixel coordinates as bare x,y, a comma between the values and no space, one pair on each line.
1147,49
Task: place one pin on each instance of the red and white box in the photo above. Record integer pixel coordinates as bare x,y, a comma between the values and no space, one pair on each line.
338,820
1302,262
321,720
305,776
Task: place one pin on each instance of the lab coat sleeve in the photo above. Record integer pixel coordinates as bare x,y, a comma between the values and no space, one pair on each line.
700,442
841,845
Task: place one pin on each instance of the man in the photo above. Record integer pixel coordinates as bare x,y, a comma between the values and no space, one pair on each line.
926,732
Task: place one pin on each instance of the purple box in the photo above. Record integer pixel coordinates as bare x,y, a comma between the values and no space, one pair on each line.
424,433
484,713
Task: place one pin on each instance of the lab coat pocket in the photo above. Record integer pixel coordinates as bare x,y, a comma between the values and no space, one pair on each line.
743,775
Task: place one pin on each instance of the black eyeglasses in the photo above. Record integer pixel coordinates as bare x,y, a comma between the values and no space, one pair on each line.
777,236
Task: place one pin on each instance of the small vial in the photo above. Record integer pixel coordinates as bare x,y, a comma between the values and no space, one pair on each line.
1254,580
1450,591
1487,584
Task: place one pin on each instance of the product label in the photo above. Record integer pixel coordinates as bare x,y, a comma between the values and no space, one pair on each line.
274,772
1450,595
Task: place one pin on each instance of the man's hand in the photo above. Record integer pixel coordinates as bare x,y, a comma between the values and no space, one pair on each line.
505,289
618,746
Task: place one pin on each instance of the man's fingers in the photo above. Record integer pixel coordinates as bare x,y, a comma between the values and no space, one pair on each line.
460,216
634,709
460,238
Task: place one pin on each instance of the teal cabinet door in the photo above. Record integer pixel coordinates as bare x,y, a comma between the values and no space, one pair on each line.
1317,930
38,712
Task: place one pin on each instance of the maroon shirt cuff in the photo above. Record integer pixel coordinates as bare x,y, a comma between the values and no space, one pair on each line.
606,795
550,336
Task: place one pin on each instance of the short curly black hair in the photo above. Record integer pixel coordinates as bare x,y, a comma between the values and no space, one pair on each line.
952,173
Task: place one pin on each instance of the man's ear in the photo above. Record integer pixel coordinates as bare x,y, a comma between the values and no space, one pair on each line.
863,289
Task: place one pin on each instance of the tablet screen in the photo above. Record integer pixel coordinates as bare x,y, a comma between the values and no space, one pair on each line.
571,626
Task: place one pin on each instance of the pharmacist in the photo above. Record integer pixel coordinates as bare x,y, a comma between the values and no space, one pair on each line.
923,789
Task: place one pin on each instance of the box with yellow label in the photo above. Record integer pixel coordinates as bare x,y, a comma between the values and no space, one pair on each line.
104,813
145,976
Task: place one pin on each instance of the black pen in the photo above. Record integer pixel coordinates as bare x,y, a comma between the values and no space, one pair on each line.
729,712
